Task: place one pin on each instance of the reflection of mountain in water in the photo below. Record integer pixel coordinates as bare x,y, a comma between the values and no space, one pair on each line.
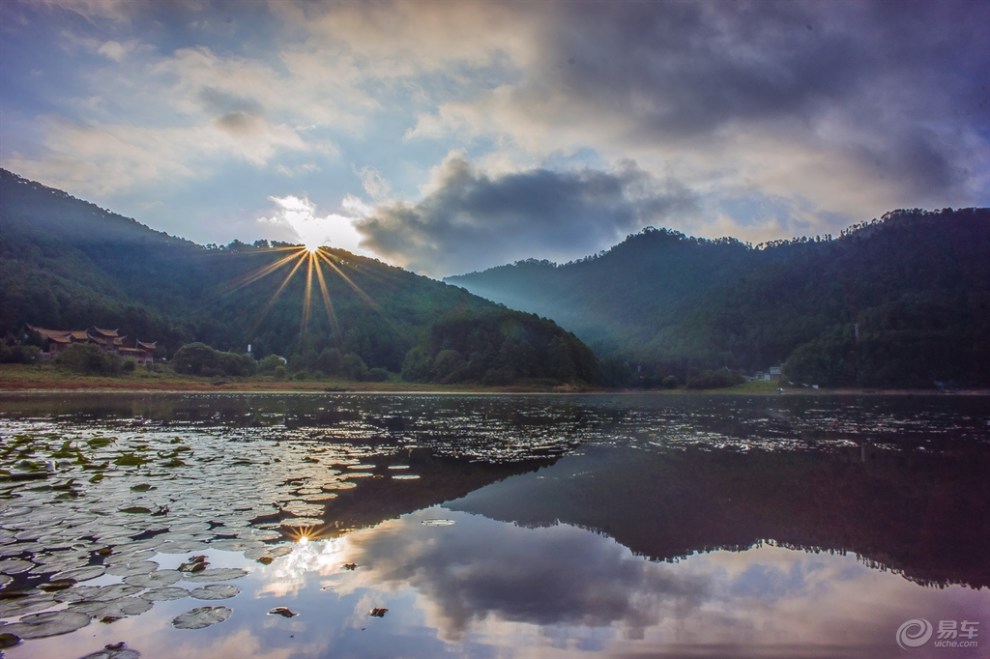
381,496
924,516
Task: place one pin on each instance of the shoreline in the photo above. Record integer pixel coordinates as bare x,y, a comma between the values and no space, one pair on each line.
30,381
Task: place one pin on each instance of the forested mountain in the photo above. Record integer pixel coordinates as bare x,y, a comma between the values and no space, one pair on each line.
67,264
900,301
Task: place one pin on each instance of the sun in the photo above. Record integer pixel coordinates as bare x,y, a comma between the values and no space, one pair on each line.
313,261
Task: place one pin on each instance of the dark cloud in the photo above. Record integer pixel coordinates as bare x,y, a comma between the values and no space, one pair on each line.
240,124
685,67
221,102
473,221
696,73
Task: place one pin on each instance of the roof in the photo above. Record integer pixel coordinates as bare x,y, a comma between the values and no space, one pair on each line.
102,337
59,336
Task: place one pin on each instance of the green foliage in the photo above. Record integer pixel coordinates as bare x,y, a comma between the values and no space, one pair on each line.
713,379
67,264
200,359
499,348
376,374
270,364
89,360
416,365
915,283
19,354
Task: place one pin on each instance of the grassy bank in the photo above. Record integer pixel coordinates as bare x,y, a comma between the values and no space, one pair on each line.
48,377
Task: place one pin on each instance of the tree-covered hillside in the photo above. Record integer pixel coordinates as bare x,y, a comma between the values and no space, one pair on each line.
900,301
67,264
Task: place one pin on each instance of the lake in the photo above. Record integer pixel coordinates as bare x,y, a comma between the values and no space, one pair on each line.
364,525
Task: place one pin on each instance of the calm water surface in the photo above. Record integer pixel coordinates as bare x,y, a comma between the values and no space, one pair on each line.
494,525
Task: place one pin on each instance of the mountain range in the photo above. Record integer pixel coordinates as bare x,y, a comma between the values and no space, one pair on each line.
903,300
68,264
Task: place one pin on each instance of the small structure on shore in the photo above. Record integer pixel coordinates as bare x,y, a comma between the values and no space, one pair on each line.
142,352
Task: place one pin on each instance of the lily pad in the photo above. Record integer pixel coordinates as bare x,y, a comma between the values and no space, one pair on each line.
114,651
32,601
136,510
130,569
158,579
217,574
97,593
121,608
57,584
216,591
164,594
81,573
49,623
15,566
201,617
194,564
130,460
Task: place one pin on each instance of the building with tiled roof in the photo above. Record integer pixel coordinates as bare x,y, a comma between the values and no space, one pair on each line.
143,352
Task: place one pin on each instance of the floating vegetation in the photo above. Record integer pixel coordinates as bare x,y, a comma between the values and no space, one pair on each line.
217,574
84,573
215,592
194,564
114,651
95,502
154,579
164,594
49,623
201,617
130,460
283,611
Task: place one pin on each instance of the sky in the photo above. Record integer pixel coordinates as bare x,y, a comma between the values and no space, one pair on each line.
450,136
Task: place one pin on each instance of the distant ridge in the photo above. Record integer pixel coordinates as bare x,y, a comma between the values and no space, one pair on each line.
899,301
65,262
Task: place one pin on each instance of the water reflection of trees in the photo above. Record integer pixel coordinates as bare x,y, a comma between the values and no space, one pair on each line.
919,516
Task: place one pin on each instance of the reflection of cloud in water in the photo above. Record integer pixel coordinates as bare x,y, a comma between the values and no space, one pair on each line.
288,574
550,576
565,588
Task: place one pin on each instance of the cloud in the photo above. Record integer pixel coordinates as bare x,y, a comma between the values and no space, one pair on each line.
567,576
768,96
468,220
299,215
837,112
373,182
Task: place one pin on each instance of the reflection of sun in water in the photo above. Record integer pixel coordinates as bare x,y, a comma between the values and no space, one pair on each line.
311,555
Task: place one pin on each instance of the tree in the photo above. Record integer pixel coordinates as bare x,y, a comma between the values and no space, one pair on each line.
89,360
